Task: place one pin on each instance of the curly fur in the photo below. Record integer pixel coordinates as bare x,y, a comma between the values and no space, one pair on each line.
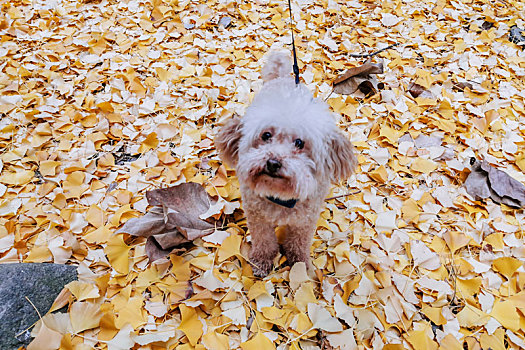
288,112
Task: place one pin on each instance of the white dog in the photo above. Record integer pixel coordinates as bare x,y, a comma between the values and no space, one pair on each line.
286,150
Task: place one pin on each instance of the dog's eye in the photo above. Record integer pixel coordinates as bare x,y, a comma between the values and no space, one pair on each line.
299,143
266,136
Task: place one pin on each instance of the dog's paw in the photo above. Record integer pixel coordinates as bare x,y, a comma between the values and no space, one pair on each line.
261,268
294,256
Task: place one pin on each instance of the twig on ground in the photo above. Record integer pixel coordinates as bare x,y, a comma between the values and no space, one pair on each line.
343,195
39,316
373,53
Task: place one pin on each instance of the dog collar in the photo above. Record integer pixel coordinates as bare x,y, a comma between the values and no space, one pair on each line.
288,204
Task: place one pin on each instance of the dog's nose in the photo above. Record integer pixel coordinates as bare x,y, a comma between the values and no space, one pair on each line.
272,165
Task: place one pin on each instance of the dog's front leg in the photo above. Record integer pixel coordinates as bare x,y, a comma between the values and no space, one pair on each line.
297,243
264,246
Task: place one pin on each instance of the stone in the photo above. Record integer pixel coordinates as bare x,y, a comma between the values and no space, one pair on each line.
40,283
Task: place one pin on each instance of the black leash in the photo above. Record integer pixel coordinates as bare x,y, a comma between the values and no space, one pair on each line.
295,66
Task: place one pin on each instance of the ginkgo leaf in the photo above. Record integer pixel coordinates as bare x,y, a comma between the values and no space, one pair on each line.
215,341
507,265
83,291
84,315
190,324
298,275
117,252
343,341
423,256
259,341
122,340
321,319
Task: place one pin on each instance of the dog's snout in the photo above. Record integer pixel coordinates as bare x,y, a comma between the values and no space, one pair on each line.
272,165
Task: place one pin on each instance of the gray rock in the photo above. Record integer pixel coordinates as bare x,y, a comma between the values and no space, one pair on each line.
41,284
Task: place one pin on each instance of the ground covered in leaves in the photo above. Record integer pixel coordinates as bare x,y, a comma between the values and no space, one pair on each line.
101,101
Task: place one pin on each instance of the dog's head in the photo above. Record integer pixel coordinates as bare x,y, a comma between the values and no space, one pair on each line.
286,144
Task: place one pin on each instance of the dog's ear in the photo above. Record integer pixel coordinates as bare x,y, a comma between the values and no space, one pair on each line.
227,141
277,65
341,160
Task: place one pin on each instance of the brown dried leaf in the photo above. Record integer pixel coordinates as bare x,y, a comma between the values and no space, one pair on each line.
417,90
487,181
358,78
174,220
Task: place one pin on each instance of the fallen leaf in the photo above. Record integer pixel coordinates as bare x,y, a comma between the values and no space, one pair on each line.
190,324
423,256
358,78
486,181
174,220
321,319
257,343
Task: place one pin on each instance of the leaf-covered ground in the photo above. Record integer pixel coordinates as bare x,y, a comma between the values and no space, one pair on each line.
103,100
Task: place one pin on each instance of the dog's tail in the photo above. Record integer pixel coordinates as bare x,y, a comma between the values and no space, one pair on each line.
278,65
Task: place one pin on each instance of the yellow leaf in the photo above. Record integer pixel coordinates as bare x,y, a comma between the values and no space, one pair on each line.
455,240
468,287
107,326
424,78
164,75
423,165
150,142
190,324
230,247
117,252
123,212
426,102
410,211
215,341
83,291
38,254
471,316
74,184
98,236
449,342
520,161
304,295
84,316
434,314
107,160
46,339
506,266
132,313
379,174
495,240
48,167
106,107
257,289
446,110
272,313
494,341
505,313
301,323
95,216
18,178
60,201
420,340
136,87
180,268
391,134
259,342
